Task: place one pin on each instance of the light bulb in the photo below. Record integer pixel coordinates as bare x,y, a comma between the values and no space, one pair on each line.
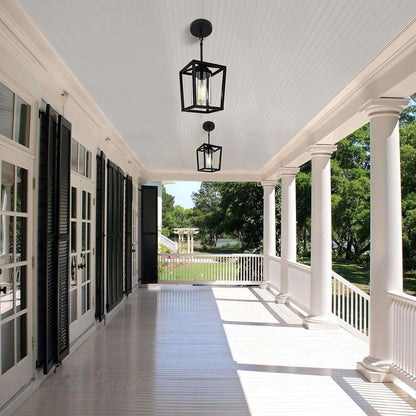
202,92
209,160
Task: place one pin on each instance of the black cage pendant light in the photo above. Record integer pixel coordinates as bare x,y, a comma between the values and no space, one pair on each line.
208,156
202,83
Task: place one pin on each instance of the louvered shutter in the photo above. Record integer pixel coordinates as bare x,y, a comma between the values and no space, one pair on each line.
63,202
128,234
47,248
115,240
53,239
149,238
100,236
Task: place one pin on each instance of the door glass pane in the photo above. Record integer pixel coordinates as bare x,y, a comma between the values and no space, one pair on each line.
84,267
6,111
21,288
7,186
83,235
88,266
7,346
21,191
88,296
81,165
89,206
73,236
6,239
74,305
83,204
74,271
22,122
74,155
87,164
6,299
84,300
21,337
88,236
73,202
21,223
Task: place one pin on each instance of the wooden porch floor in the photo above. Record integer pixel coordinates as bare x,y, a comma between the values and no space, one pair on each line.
175,350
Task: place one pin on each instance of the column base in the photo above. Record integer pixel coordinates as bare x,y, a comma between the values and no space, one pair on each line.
281,298
375,371
320,322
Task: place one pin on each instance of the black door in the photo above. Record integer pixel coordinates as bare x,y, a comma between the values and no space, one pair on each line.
149,234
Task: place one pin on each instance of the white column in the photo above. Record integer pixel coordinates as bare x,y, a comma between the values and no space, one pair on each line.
269,225
187,242
321,241
386,269
288,226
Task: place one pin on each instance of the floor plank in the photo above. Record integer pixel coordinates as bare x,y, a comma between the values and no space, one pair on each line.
174,350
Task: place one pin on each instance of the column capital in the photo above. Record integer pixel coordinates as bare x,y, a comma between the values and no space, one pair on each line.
288,171
269,184
322,149
378,107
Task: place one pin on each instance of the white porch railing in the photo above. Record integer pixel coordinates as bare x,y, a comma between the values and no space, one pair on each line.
404,344
299,285
351,305
275,272
167,242
210,268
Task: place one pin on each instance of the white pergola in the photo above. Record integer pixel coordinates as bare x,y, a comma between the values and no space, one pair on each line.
189,232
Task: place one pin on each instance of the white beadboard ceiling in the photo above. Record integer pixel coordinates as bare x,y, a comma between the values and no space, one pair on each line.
286,59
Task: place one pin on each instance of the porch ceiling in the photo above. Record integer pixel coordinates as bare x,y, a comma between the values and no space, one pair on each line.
286,60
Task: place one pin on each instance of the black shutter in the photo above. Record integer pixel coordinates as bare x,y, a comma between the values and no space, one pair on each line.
115,240
128,234
63,202
149,234
47,253
100,235
53,239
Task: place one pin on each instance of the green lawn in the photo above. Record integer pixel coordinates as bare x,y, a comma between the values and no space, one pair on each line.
198,271
360,275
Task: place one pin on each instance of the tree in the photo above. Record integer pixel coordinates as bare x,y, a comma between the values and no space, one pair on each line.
207,212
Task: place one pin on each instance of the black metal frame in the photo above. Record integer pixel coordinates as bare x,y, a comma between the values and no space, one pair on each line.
205,148
190,70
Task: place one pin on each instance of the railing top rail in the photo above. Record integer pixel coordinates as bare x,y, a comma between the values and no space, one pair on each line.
350,285
404,297
299,266
208,255
275,258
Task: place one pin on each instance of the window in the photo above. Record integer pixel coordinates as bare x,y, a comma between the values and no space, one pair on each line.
80,159
14,116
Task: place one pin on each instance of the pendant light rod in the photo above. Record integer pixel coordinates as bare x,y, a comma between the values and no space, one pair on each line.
201,40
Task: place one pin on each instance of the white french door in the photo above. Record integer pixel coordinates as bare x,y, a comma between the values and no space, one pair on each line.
16,211
82,264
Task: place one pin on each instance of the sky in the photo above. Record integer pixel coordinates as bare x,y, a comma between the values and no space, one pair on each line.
182,192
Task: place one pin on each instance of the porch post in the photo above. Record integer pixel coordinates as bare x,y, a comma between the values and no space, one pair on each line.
269,225
321,245
386,268
288,227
